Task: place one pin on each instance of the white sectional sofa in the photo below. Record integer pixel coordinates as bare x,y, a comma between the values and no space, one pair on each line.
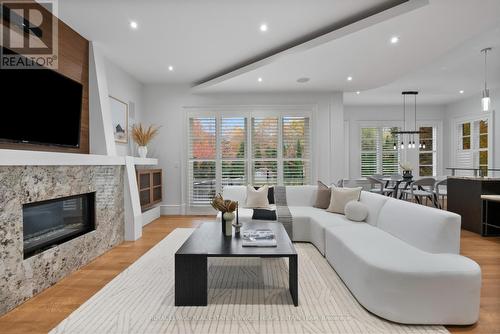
402,263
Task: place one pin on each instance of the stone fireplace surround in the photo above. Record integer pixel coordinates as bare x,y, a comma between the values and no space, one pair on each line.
22,279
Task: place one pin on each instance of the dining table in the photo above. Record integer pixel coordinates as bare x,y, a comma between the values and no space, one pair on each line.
396,186
396,182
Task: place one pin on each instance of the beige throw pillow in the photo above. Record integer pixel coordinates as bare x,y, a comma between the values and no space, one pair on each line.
322,196
341,196
257,198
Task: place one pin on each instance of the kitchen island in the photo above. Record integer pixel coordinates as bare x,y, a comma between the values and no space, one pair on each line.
464,198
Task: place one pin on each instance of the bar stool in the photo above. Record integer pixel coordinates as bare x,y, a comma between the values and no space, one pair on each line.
490,215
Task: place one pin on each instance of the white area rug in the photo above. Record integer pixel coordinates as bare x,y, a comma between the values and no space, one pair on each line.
248,295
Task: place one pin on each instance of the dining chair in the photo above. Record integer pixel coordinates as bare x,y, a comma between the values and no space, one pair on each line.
441,191
422,189
378,186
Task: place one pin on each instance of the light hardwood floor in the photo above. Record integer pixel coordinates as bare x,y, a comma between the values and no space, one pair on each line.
43,312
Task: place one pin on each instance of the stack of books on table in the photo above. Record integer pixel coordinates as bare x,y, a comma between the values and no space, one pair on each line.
258,238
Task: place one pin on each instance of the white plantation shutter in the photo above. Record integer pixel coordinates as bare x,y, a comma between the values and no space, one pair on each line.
296,150
242,149
464,157
233,144
390,156
369,151
427,158
378,155
265,150
201,165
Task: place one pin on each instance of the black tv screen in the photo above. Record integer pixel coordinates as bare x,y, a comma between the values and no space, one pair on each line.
39,106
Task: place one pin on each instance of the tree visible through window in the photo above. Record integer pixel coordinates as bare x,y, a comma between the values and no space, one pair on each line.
265,150
473,145
295,132
222,152
483,146
233,133
201,165
379,151
427,151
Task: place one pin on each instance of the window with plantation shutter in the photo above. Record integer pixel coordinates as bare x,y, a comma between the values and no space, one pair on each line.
202,164
427,155
296,152
472,145
379,151
264,150
390,152
369,149
246,148
233,138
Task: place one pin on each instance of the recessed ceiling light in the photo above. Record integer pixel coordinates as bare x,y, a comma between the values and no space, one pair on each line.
263,27
170,68
303,80
394,39
358,92
259,79
133,25
461,91
349,78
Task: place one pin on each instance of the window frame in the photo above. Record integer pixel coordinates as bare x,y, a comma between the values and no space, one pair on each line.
438,152
456,136
380,125
248,112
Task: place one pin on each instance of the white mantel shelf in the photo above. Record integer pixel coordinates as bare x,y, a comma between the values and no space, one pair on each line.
39,158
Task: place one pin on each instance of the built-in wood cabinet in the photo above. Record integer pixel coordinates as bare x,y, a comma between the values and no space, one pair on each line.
150,184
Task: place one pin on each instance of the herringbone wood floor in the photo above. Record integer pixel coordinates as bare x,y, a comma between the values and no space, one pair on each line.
46,310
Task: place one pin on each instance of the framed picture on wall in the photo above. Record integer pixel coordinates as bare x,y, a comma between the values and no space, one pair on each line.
119,118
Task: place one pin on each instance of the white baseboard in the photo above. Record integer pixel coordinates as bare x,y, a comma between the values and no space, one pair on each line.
182,210
171,210
150,215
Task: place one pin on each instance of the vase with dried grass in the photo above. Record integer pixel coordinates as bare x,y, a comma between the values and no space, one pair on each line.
227,207
142,136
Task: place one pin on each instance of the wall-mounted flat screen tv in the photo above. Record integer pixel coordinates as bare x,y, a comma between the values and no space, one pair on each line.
39,106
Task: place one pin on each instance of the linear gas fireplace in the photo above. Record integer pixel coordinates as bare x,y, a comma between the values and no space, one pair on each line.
53,222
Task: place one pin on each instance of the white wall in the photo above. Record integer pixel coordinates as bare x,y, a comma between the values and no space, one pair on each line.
471,107
164,105
126,88
354,115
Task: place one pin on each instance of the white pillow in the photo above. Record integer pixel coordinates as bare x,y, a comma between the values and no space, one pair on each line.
257,198
356,211
341,196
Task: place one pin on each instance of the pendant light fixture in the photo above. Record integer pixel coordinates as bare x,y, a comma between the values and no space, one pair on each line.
485,100
410,133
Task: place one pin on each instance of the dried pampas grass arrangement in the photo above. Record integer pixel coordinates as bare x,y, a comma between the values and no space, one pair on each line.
142,135
219,204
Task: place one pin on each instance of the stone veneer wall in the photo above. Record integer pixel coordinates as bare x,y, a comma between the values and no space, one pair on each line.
22,279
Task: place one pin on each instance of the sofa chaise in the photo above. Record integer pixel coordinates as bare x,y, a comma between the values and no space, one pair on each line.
402,263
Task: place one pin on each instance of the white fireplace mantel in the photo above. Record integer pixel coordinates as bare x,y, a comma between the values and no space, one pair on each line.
39,158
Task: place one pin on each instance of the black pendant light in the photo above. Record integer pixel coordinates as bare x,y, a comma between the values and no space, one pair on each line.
411,133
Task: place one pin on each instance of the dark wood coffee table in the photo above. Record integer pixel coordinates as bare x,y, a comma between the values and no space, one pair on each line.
208,241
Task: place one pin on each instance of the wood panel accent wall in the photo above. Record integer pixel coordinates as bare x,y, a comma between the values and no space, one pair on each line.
73,61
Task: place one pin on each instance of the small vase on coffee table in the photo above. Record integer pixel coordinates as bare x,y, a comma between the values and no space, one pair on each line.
227,220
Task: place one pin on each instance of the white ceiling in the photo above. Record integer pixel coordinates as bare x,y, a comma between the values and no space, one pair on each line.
426,34
438,52
198,37
440,82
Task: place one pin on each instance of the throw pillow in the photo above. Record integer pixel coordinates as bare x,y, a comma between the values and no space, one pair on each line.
257,198
322,196
341,196
356,211
270,194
